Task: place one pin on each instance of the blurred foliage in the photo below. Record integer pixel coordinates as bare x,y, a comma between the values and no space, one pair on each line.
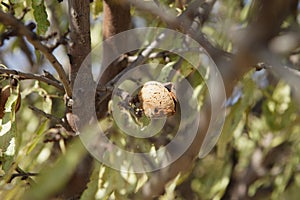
259,146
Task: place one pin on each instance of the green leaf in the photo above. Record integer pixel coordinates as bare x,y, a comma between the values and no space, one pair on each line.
8,126
198,95
47,104
92,186
7,165
237,114
165,72
10,105
9,141
185,70
47,101
171,189
14,1
4,128
213,178
40,16
97,7
10,151
38,136
279,109
54,178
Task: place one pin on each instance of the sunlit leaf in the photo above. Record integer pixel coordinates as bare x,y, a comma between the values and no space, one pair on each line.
278,108
53,178
47,104
237,113
8,134
10,151
170,189
4,128
141,181
165,72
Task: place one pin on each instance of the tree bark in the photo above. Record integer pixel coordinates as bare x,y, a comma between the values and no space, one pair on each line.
78,51
80,46
117,19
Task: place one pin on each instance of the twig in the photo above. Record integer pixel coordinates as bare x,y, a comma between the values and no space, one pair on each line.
20,173
12,33
23,175
61,40
188,22
48,37
21,29
25,11
161,11
50,76
48,116
63,122
24,76
139,60
9,7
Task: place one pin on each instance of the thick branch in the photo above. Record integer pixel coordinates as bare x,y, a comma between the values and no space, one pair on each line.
22,30
117,19
80,46
79,50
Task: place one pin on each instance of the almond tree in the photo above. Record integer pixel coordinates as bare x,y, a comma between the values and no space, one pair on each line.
45,44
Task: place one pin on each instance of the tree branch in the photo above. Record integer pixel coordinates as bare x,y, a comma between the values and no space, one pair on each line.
190,22
117,19
22,30
23,76
78,51
48,116
231,72
80,45
105,92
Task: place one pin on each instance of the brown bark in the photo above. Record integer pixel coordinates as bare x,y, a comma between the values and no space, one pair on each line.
79,49
80,46
117,19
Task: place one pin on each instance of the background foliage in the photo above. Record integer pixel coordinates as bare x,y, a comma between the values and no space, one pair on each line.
256,157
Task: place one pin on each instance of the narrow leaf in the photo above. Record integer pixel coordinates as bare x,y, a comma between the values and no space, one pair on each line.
40,16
